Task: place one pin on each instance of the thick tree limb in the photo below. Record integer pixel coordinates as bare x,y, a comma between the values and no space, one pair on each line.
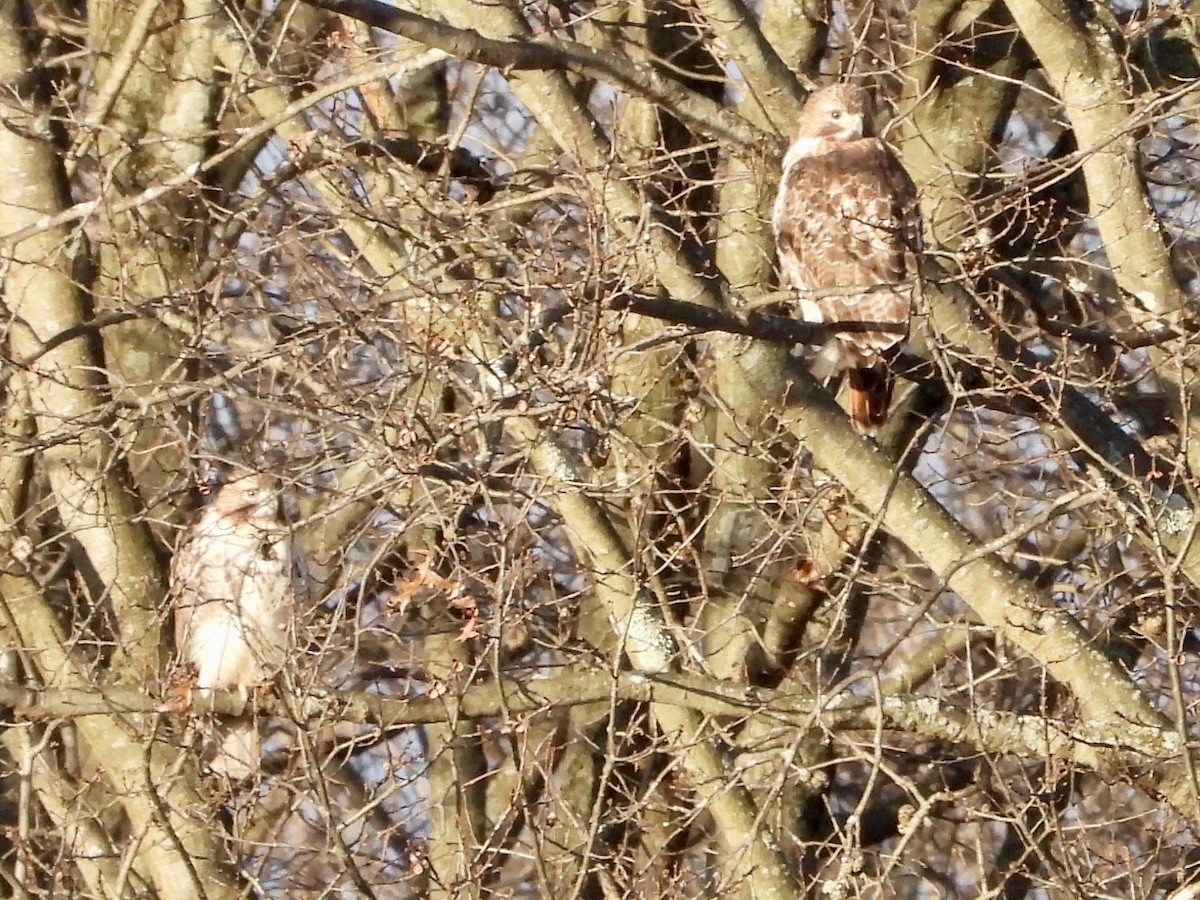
91,488
1085,744
1107,697
648,644
773,90
179,852
548,53
1166,513
1089,74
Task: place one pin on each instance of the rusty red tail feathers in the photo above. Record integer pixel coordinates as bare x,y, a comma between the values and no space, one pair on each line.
870,395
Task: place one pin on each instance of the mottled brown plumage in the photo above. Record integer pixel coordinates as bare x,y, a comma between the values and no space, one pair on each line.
235,604
847,227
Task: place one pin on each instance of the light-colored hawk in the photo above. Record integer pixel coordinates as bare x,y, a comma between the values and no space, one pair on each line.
235,604
847,227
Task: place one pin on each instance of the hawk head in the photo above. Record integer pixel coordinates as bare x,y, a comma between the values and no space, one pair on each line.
837,112
251,496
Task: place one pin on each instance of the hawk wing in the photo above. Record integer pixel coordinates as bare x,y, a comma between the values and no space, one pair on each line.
848,219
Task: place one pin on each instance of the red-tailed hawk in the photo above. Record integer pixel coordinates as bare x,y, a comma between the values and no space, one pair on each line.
235,604
846,226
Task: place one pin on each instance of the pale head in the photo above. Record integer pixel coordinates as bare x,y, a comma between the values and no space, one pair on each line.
838,112
255,496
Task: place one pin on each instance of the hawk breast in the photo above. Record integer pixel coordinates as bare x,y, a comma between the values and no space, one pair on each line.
847,229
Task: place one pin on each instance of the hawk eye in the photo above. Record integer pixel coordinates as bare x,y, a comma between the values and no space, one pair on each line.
836,114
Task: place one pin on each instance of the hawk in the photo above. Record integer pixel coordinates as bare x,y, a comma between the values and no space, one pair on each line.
847,227
235,604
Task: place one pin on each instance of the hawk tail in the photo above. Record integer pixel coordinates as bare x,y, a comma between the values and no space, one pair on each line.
870,394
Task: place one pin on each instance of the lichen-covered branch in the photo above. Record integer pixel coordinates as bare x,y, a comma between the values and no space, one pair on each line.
1006,602
1086,70
1086,744
649,646
90,482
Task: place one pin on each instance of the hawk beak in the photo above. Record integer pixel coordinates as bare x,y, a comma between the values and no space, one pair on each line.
857,125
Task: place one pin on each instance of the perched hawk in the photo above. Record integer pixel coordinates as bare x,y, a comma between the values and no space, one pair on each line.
235,605
846,226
